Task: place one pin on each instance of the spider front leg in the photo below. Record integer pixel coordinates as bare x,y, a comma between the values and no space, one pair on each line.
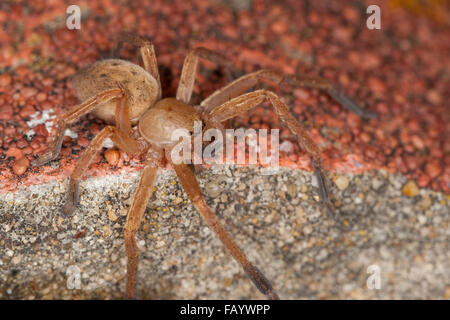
191,187
146,49
69,118
143,193
189,70
82,165
120,135
247,101
246,82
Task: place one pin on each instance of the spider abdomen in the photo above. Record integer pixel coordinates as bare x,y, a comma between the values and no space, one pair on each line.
106,74
159,123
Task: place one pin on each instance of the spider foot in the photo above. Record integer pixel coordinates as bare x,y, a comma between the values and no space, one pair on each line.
47,157
72,198
350,105
68,208
261,282
323,192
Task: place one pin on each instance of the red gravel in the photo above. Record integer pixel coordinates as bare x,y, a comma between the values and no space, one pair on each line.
400,71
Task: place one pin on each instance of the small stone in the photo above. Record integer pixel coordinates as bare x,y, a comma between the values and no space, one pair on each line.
434,97
28,92
314,182
410,189
177,200
5,80
20,166
323,253
224,198
286,146
303,188
365,137
423,180
83,142
292,189
341,182
112,216
241,187
108,277
376,184
433,169
417,142
14,152
41,130
112,156
213,189
22,143
281,194
426,202
16,260
7,112
27,111
307,229
422,219
41,96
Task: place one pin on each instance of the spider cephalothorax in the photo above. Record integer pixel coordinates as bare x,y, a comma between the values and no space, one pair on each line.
128,98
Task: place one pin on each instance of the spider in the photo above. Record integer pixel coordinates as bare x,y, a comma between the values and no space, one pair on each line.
128,98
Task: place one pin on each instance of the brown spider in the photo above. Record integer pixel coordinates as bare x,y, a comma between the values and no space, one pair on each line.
128,97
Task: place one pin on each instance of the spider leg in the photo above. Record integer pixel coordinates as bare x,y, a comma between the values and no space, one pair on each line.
190,185
70,117
134,217
123,134
246,82
146,49
120,135
189,70
82,165
247,101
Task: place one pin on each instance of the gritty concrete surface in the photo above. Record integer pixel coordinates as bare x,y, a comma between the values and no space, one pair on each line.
275,218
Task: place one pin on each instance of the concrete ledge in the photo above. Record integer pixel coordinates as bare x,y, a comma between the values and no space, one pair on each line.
276,219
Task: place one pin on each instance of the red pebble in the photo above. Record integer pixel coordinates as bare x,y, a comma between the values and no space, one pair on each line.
365,137
83,142
41,96
6,113
27,150
22,143
14,152
371,152
27,111
28,92
5,80
417,142
40,130
433,169
423,180
34,144
112,156
20,166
